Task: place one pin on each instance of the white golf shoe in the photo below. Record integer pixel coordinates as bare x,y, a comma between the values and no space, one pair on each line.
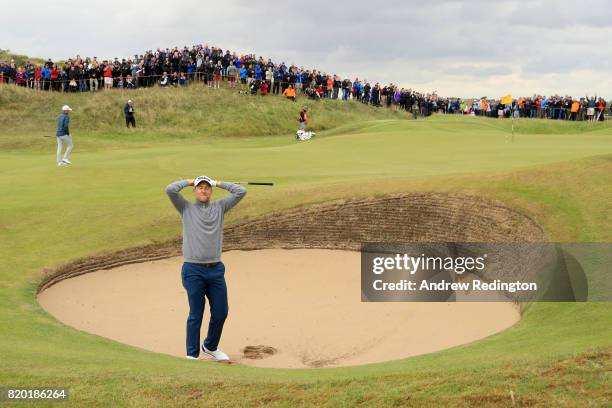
66,161
217,354
191,358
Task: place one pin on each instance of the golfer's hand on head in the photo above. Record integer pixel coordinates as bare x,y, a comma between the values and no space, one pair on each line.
210,181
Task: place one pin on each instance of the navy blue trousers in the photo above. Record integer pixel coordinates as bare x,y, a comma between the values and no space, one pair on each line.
202,282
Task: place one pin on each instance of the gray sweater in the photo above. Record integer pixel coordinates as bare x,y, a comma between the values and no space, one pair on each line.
203,222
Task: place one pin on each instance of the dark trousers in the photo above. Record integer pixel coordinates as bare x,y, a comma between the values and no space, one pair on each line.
202,281
129,119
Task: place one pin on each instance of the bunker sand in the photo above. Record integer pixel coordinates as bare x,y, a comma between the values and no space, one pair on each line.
288,308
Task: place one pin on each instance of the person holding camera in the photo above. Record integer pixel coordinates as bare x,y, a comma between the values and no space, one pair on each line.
128,110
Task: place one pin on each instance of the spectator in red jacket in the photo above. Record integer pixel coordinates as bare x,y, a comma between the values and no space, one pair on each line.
37,76
20,77
55,78
263,86
319,91
108,76
329,87
600,108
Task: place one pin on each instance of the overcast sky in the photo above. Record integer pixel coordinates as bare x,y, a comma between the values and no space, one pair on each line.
459,48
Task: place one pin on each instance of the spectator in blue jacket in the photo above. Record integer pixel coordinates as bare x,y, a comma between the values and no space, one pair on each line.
356,89
243,75
46,76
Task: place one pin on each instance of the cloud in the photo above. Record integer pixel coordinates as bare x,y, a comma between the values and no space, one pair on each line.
457,47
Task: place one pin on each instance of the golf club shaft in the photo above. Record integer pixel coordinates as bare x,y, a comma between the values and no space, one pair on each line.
253,183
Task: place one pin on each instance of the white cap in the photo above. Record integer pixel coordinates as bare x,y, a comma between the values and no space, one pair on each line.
201,179
129,101
66,108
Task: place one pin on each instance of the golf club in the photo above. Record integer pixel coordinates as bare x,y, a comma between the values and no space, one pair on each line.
253,183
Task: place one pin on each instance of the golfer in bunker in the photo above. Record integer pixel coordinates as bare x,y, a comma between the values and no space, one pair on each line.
203,273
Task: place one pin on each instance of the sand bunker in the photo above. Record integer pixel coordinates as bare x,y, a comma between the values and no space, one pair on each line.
288,308
299,306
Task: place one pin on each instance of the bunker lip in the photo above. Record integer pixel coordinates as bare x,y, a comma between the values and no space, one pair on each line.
343,224
338,225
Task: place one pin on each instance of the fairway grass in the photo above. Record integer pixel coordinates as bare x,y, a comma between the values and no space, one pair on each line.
112,198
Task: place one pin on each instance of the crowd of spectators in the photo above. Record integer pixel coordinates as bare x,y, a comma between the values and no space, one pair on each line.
537,106
259,76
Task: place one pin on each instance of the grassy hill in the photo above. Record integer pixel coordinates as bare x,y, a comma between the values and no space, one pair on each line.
6,56
193,114
112,198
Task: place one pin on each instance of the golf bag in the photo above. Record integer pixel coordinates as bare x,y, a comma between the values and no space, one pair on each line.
302,135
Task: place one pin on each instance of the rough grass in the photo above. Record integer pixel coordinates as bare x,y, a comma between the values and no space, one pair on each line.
191,114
